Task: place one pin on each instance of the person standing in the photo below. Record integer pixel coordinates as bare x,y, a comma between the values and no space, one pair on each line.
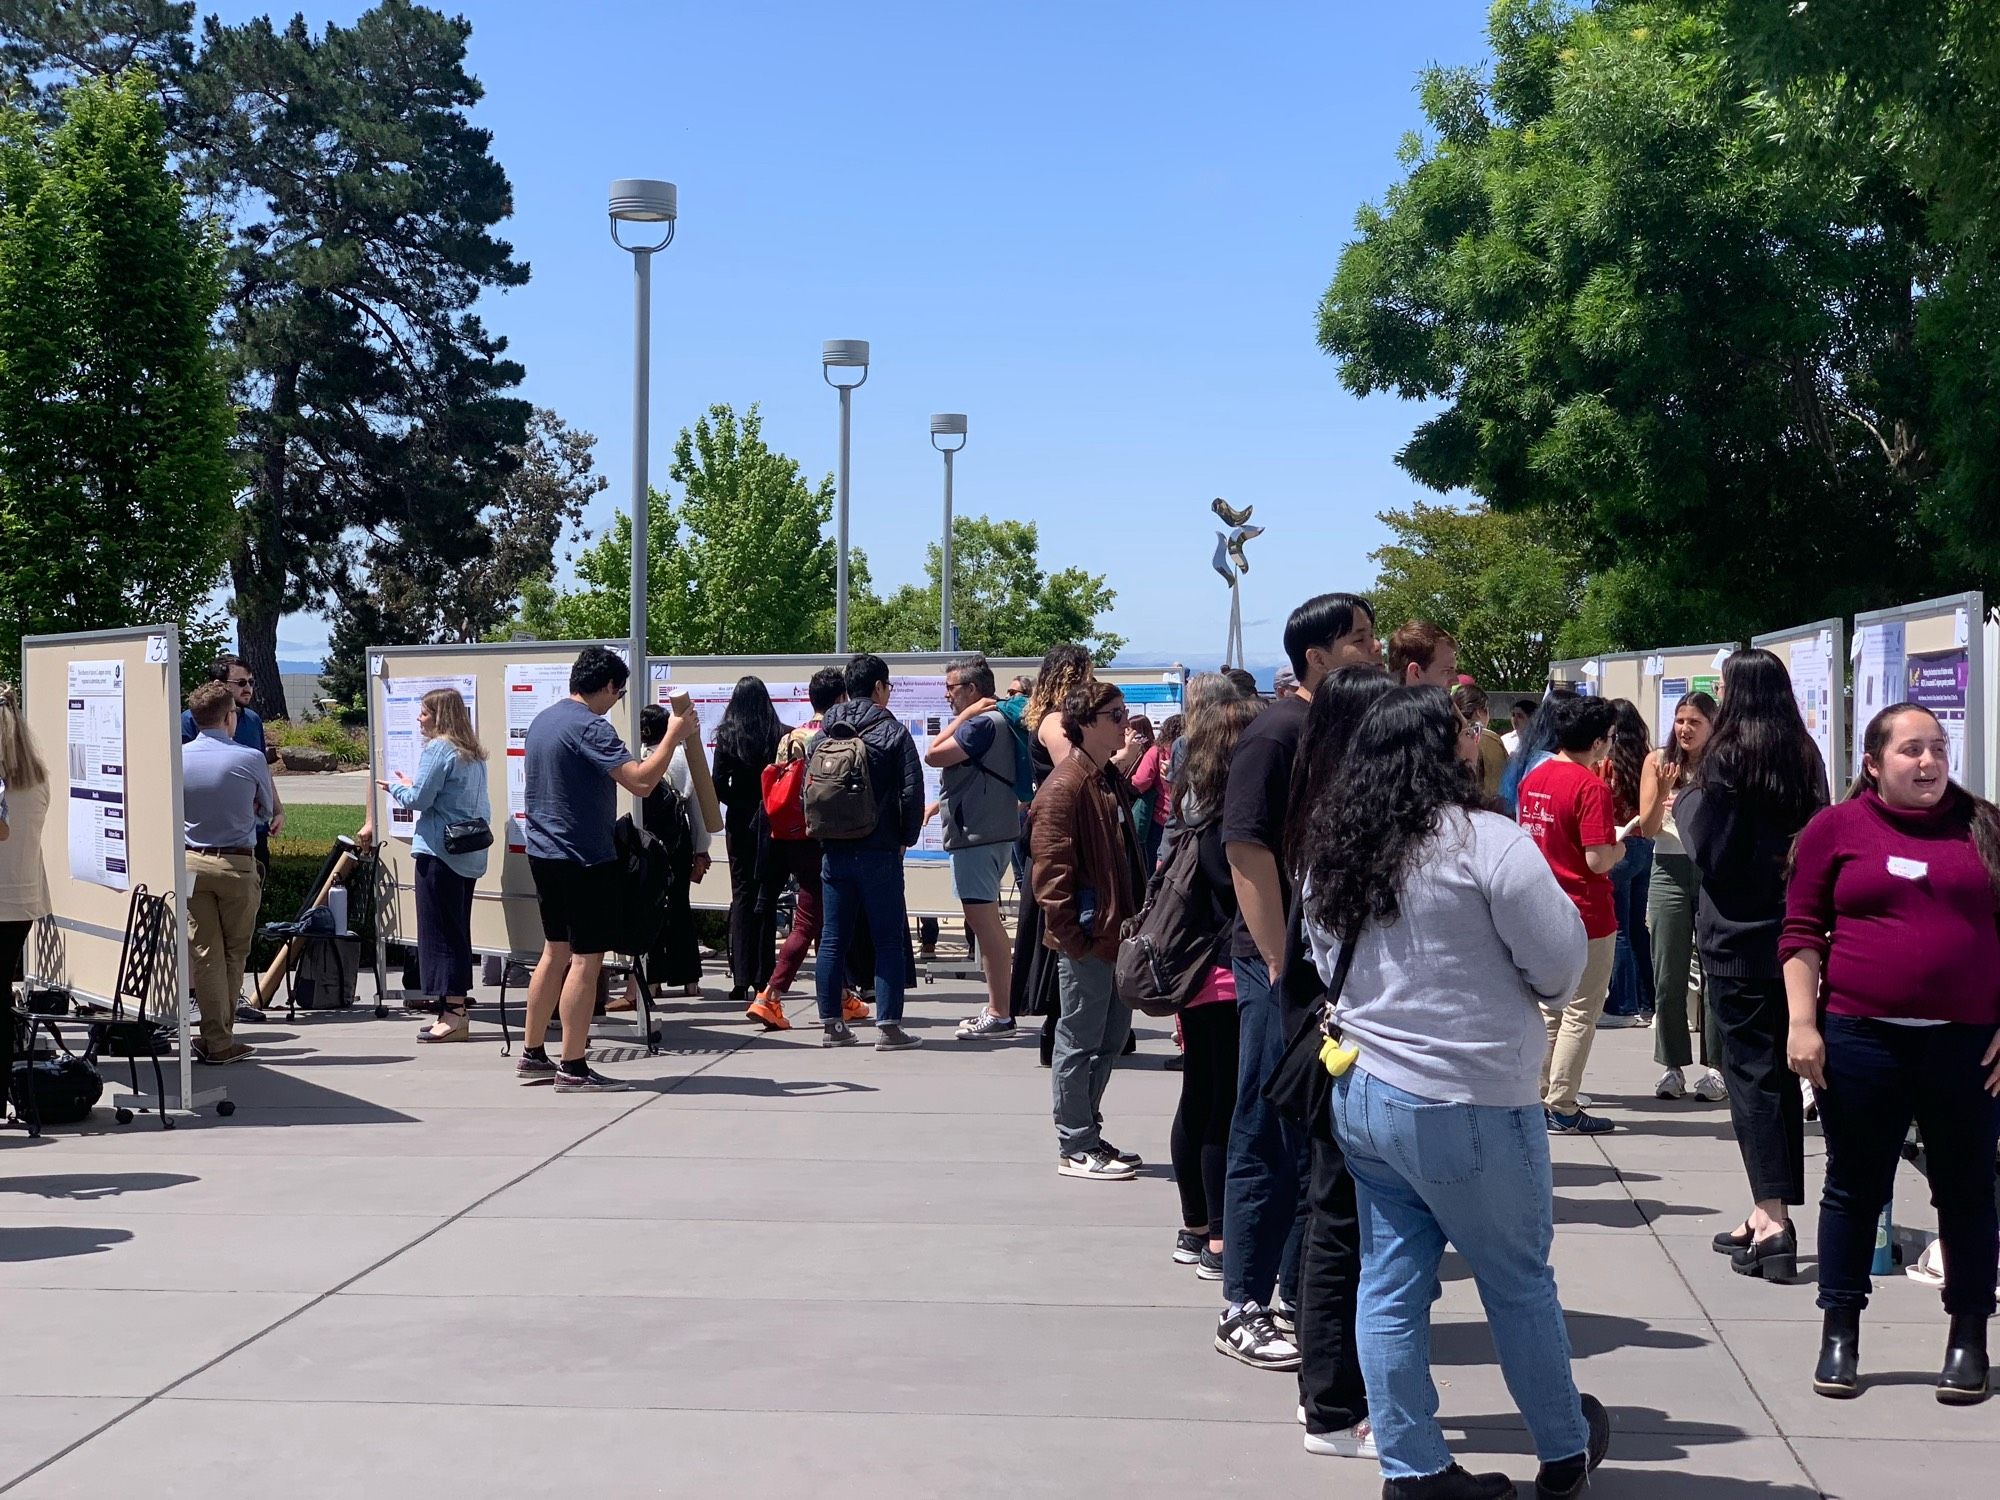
1420,652
746,741
1065,667
249,733
1670,905
1085,853
1456,943
862,877
450,789
24,888
1629,1001
1470,700
982,819
1759,784
1517,717
672,814
1566,809
576,764
1891,954
1147,788
1267,1158
226,789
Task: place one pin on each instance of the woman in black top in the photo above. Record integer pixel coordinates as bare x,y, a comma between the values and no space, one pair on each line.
1759,782
746,741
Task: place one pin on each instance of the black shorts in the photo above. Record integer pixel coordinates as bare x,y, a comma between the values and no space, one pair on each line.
579,903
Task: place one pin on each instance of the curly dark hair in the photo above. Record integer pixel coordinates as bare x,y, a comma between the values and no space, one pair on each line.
1401,773
1631,742
1337,706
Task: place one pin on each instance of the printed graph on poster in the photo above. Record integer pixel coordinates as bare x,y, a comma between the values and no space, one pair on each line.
98,851
1941,681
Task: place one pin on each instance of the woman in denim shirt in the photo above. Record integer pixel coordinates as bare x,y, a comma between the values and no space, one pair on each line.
450,788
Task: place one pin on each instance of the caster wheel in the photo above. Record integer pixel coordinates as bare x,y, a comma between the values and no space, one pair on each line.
381,1012
122,1116
226,1108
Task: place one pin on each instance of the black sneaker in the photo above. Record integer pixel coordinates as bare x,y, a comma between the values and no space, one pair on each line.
1209,1267
889,1037
1451,1484
837,1035
1130,1158
1188,1247
1570,1477
589,1081
1251,1336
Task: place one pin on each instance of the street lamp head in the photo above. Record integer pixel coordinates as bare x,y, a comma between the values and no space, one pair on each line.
844,354
642,200
948,425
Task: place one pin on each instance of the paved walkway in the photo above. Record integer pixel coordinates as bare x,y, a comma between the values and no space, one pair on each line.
778,1271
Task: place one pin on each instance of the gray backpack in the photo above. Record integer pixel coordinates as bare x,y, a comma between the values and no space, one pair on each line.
840,790
980,802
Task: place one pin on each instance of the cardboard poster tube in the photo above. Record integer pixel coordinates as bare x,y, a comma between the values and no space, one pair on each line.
274,977
697,759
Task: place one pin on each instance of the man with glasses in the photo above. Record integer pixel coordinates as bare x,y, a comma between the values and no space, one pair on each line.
981,804
575,764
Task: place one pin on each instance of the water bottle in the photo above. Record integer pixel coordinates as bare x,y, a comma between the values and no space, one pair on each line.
336,902
1885,1242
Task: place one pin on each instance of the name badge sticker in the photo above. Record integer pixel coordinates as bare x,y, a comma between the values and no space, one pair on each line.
1908,869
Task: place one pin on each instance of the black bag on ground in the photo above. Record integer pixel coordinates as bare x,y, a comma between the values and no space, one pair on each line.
1165,951
65,1088
327,973
645,870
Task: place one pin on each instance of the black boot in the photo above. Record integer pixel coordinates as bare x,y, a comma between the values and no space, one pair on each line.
1963,1381
1451,1484
1837,1374
1775,1257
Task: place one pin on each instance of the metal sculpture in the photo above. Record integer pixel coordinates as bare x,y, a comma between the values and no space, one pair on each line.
1231,563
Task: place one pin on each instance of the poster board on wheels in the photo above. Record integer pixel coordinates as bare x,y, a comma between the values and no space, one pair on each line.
1816,657
1932,653
1655,679
104,707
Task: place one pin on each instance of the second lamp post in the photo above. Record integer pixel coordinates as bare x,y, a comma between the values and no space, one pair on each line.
842,354
949,426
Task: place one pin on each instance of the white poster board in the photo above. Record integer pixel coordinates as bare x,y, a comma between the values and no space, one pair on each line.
403,742
98,847
1812,687
1878,675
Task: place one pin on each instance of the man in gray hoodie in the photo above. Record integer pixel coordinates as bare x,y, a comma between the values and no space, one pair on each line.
862,878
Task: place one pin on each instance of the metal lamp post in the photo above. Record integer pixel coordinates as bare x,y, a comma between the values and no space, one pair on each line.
842,354
947,425
641,200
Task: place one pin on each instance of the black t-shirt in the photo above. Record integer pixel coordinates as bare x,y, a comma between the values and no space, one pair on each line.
1258,797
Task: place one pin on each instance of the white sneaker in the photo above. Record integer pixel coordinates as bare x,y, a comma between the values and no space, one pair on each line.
1251,1336
1710,1087
1671,1085
1357,1441
1100,1164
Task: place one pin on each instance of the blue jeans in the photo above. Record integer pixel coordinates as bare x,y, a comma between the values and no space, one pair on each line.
862,886
1263,1185
1475,1177
1632,968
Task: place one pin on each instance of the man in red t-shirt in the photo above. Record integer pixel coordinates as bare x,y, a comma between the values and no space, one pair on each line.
1566,808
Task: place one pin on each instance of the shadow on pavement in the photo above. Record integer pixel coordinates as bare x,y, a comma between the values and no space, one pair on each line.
1590,1335
88,1187
56,1242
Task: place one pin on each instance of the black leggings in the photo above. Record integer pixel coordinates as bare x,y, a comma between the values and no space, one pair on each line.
1200,1141
13,942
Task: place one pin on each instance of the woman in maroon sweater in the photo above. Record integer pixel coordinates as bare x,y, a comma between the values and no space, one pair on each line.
1891,952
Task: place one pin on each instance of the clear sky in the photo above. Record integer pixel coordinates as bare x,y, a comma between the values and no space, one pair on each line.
1100,229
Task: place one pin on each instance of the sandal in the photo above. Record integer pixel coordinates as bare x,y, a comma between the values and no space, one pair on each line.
456,1023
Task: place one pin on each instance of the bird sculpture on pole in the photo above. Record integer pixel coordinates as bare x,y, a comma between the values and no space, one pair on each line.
1230,562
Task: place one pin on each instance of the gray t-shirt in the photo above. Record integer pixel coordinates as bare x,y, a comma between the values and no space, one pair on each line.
1447,1001
570,799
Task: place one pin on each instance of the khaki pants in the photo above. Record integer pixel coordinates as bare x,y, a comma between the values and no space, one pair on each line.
222,918
1574,1028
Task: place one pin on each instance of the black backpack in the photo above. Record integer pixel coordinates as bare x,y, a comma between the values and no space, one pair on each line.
669,820
1166,951
645,871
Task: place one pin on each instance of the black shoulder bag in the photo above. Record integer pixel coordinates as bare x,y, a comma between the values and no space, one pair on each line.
1292,1087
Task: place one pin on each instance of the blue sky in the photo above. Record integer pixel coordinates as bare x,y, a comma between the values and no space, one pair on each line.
1099,229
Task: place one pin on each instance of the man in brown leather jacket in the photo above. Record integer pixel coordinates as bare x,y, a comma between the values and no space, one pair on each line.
1087,882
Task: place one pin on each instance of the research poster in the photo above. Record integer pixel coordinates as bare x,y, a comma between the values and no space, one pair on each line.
529,688
1812,686
1672,690
1878,676
403,742
98,851
1940,681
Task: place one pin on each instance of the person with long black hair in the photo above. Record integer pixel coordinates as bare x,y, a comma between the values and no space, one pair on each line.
746,741
1534,743
1670,905
1448,938
1891,951
1760,783
1630,1000
1333,1399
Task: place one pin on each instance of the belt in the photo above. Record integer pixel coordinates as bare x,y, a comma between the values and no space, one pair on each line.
223,849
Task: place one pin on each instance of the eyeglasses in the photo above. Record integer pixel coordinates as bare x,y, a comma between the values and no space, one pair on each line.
242,682
1118,715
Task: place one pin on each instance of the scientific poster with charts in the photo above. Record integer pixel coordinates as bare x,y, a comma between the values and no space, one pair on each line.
1878,676
98,851
403,742
1672,690
1812,686
710,699
1939,681
530,687
925,708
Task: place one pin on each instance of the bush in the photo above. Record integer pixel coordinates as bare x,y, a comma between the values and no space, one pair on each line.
347,746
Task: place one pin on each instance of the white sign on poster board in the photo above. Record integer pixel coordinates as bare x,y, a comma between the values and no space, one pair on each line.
1812,686
530,688
98,851
403,742
1878,677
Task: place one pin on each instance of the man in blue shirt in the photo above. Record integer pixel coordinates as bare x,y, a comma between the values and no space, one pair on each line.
575,765
249,732
226,789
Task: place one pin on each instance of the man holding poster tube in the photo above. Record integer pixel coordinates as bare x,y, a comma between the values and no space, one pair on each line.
575,764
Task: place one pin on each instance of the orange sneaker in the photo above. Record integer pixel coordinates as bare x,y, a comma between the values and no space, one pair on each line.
852,1007
770,1010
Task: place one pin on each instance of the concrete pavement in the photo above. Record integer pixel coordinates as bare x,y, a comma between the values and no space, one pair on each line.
777,1270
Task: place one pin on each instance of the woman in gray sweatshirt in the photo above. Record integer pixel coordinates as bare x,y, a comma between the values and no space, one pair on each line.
1461,940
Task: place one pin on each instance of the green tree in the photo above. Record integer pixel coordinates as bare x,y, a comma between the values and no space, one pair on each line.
115,475
1002,600
359,199
1502,590
1650,330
